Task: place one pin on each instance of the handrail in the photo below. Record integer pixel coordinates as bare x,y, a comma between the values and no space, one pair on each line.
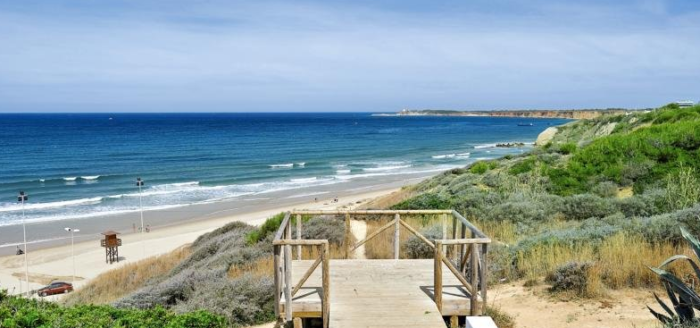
370,212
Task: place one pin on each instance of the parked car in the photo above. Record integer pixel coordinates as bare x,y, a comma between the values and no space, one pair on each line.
56,287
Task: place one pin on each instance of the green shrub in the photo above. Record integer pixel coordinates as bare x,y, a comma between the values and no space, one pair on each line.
19,312
425,201
523,166
570,277
479,167
605,189
567,148
324,228
417,248
579,207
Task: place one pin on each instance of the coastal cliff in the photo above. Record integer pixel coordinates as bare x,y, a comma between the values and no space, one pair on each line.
576,114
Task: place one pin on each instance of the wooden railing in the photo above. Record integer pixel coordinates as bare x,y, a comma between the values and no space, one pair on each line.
465,255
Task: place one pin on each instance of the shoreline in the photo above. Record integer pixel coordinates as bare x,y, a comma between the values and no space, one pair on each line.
53,261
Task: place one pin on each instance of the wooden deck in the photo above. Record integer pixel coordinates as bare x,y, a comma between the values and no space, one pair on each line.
379,293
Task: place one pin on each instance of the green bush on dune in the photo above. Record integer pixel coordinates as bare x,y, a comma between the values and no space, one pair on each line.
19,312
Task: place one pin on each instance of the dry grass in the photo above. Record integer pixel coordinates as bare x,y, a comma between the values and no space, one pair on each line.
621,261
263,267
117,283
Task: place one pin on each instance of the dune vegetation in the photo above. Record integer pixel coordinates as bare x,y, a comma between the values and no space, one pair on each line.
591,209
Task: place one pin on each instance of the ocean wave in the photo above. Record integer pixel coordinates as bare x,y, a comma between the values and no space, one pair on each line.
483,146
281,166
303,180
385,168
343,171
40,206
90,177
444,156
301,164
70,178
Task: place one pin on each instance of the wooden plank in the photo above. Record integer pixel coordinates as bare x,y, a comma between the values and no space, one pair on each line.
278,285
325,254
298,236
474,272
466,241
303,242
374,234
288,275
298,323
484,271
283,226
348,233
454,321
437,285
397,240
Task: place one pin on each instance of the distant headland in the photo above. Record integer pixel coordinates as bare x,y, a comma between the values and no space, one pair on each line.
576,114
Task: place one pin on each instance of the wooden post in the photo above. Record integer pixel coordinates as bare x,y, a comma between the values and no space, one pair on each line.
278,274
298,236
474,262
444,226
326,283
454,321
298,323
463,235
454,236
288,276
397,241
484,273
348,232
437,284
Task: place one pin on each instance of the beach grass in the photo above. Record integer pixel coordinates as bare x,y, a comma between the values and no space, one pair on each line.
117,283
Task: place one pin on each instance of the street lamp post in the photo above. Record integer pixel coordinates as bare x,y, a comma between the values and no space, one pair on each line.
22,198
72,250
139,183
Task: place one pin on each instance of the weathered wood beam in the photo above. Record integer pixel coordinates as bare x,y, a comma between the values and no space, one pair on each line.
298,236
437,271
417,234
283,226
397,240
306,276
326,284
374,234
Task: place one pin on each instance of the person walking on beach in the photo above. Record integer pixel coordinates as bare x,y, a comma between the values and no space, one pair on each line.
148,228
133,227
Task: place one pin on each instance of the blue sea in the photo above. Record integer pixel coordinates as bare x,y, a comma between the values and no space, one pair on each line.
85,165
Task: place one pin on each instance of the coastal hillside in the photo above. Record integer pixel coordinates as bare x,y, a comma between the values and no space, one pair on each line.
590,208
576,114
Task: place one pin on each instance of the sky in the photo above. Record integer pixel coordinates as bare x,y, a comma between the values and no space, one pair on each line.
367,56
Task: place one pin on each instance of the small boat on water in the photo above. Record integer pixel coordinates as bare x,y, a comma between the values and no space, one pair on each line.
525,124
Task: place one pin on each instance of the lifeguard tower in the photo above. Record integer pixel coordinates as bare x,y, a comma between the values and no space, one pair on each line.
111,244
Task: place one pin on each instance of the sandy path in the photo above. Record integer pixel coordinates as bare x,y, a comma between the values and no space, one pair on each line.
359,231
90,257
536,308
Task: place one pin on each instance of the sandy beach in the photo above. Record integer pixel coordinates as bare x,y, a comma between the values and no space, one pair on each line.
54,263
